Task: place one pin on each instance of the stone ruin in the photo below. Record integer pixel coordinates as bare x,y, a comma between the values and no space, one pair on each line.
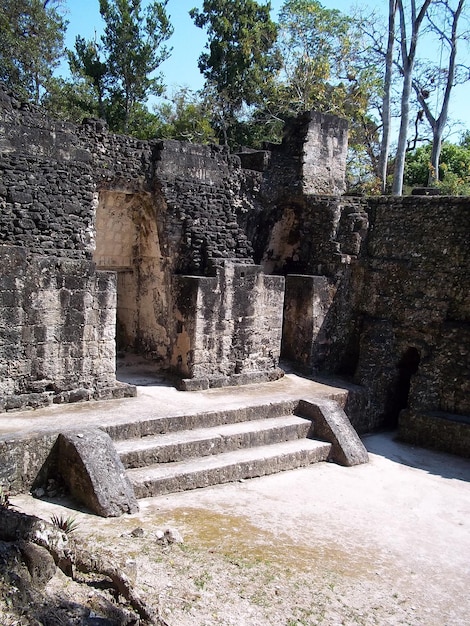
216,266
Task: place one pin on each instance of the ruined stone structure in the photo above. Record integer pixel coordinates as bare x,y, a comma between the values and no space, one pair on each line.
215,266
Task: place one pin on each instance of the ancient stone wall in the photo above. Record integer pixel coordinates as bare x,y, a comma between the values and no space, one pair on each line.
415,309
201,240
229,326
382,286
147,210
199,184
57,325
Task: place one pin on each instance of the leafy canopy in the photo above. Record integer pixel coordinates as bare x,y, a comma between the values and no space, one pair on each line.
31,44
121,67
454,167
237,63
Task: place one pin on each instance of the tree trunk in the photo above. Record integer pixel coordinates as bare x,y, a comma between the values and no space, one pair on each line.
69,556
439,124
435,157
386,114
397,188
408,59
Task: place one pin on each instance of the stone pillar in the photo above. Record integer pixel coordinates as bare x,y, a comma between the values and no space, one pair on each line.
229,327
324,155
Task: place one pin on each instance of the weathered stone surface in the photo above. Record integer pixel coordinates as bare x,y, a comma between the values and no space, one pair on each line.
57,327
308,300
440,431
39,561
89,465
230,326
332,424
394,312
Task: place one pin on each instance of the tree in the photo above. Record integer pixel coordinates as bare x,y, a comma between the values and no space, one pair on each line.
185,117
444,22
70,100
134,47
387,97
86,63
408,47
454,175
238,63
31,44
317,53
324,67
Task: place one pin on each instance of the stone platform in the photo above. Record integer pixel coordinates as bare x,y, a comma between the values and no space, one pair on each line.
171,440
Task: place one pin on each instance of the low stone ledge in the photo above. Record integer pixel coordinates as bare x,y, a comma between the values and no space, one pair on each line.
36,400
209,382
446,432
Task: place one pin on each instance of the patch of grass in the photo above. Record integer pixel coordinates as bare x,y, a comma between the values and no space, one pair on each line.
201,581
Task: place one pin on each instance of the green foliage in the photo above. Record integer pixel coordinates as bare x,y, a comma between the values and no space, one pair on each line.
454,168
238,63
185,117
120,69
67,524
31,45
70,100
86,63
322,65
133,43
465,140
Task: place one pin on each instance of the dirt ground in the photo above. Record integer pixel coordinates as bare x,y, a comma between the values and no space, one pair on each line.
386,543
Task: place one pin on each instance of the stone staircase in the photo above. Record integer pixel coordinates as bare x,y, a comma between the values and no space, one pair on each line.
190,451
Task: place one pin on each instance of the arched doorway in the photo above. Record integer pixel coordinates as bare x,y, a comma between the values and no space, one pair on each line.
128,243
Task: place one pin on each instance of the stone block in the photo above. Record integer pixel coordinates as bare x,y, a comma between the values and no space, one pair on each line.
92,470
332,424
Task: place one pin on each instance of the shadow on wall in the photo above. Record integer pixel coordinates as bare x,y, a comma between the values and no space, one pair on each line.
324,333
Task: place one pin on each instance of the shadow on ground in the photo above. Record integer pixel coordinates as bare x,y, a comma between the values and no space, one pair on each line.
438,463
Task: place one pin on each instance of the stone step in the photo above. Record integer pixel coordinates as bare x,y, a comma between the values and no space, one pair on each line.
180,445
215,469
142,426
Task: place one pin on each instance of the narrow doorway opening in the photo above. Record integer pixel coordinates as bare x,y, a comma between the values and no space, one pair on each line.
407,367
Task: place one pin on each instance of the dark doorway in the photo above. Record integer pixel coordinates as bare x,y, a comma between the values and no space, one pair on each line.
398,399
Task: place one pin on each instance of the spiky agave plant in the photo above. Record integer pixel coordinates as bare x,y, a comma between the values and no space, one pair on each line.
67,524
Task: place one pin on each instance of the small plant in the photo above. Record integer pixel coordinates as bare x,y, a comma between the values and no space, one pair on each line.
67,524
202,580
5,499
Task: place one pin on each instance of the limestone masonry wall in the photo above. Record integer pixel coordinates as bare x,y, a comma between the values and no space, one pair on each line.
57,326
149,211
212,265
416,301
380,295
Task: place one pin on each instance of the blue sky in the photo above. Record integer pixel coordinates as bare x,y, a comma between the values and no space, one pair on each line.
188,41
